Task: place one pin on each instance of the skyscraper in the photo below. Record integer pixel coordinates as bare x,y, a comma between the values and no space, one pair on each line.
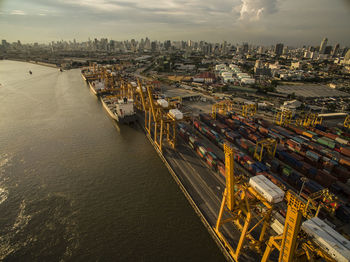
335,50
328,50
323,45
279,49
167,44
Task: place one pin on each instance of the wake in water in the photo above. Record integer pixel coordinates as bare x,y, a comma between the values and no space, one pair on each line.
39,228
42,229
4,162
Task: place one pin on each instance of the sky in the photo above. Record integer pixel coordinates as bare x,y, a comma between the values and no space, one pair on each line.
261,22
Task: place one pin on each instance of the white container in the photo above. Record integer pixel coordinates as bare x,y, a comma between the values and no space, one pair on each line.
125,109
143,89
162,102
266,188
100,85
341,141
176,113
328,239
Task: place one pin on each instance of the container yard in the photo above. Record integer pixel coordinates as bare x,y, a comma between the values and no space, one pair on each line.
265,190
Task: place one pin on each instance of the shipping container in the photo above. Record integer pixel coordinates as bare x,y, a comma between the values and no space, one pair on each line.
266,188
337,246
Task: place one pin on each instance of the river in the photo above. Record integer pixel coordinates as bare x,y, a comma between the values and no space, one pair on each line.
75,186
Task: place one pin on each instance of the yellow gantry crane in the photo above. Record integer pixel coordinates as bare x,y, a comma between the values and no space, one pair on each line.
269,144
239,204
310,119
249,110
290,244
160,121
139,97
283,118
222,107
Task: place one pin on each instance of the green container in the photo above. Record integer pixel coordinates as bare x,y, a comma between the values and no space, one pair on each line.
325,142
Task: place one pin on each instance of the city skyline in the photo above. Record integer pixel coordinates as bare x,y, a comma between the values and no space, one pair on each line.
176,42
259,22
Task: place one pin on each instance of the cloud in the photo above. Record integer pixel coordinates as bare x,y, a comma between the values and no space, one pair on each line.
17,12
254,10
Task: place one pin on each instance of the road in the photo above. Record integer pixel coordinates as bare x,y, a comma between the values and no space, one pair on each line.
205,187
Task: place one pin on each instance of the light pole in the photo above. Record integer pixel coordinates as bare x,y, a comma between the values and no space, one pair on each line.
304,179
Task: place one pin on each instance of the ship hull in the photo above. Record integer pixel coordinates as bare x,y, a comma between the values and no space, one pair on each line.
92,89
122,120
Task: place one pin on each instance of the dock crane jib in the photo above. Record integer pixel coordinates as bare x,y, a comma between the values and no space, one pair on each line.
291,244
239,204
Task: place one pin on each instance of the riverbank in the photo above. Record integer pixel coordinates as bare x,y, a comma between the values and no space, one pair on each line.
34,62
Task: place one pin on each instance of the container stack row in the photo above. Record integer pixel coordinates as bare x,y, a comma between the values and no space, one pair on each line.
318,157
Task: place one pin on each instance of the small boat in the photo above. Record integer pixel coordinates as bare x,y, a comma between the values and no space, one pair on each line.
30,72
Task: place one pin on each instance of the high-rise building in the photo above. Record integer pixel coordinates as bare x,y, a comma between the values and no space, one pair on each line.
328,50
345,50
154,46
261,50
279,49
335,50
323,45
147,44
245,47
167,44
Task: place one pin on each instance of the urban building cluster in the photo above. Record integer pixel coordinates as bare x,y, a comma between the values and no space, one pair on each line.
318,75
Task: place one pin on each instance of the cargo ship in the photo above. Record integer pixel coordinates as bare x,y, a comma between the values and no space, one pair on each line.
96,87
121,110
88,75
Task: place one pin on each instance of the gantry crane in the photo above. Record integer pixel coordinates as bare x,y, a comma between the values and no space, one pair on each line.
222,107
283,118
290,243
239,202
249,110
160,121
139,96
269,144
309,119
91,73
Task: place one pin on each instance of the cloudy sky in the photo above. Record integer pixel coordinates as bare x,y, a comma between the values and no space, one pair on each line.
293,22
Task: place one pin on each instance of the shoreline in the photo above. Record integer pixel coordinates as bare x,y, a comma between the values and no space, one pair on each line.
33,62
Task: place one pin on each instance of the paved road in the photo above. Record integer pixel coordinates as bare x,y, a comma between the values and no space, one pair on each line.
205,187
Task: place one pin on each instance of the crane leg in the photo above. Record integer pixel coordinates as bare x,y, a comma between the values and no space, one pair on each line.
218,222
243,236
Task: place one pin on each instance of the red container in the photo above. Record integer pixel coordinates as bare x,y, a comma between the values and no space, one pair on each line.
221,168
263,130
331,136
230,123
345,151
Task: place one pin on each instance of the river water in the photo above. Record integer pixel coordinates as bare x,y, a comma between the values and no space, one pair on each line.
75,186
